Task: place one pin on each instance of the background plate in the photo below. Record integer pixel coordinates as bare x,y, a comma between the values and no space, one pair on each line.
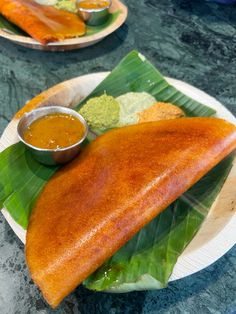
217,234
74,43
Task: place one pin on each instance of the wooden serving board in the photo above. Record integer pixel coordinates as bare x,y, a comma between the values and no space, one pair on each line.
73,43
217,234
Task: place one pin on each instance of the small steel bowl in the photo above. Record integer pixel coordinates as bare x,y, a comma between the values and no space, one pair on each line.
51,157
94,17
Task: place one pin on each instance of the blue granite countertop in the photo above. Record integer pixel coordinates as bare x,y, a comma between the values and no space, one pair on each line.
194,41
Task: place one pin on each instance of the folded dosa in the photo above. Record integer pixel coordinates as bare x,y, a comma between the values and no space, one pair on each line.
120,182
44,23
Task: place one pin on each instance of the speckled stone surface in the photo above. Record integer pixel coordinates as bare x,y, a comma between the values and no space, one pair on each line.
194,41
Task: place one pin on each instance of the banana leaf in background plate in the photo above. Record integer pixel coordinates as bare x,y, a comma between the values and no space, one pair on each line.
146,261
8,26
91,30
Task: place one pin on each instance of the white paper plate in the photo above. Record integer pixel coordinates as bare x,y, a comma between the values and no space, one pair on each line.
217,234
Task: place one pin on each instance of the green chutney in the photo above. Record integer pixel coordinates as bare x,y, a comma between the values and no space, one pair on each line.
68,5
101,112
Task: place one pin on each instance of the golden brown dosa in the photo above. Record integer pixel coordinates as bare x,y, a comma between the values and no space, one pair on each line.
44,23
120,182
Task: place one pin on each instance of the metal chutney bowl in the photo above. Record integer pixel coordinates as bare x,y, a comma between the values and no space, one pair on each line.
51,157
94,17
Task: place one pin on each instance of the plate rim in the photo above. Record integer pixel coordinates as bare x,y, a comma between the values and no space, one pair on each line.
209,248
82,41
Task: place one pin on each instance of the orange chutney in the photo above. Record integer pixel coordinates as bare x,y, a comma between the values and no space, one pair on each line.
93,4
53,131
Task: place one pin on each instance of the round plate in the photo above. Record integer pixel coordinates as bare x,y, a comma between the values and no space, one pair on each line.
73,43
217,234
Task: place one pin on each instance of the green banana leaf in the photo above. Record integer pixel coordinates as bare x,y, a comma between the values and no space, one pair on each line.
133,73
136,74
146,261
21,181
6,25
91,30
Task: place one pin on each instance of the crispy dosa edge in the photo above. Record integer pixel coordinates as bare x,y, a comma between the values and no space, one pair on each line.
61,268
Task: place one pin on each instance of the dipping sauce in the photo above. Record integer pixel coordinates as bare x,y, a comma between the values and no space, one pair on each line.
93,4
54,131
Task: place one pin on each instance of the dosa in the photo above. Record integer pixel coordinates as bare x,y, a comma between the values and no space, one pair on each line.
119,183
44,23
